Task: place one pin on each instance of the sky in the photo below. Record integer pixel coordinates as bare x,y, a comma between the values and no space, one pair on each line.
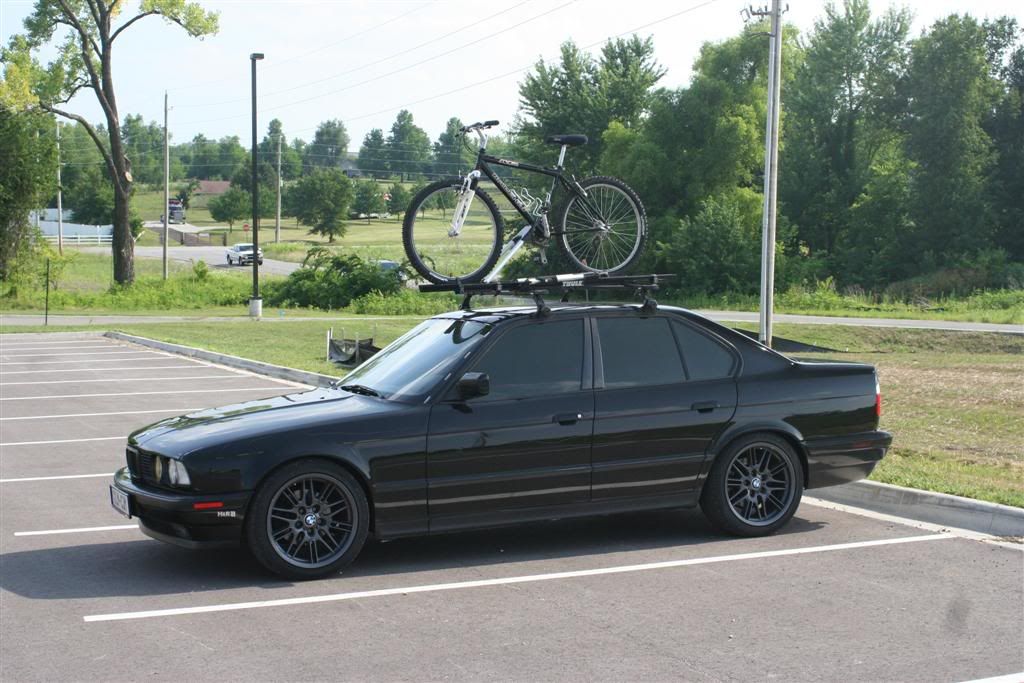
362,61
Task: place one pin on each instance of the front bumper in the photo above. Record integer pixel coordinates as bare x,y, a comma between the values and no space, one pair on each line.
171,516
837,460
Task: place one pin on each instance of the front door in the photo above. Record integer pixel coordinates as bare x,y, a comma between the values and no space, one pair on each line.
525,445
663,390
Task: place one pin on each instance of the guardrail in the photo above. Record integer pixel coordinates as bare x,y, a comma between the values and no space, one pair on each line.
81,239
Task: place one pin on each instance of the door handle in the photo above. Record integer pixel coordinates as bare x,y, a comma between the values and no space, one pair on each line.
567,418
704,406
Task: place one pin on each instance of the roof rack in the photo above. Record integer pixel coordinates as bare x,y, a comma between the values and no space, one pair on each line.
564,285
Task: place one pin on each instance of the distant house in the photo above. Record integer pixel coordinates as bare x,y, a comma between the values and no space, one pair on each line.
212,187
348,167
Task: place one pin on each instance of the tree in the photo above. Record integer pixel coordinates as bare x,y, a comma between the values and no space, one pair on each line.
368,199
27,178
86,32
582,95
399,200
291,160
143,145
372,158
328,148
233,205
320,200
450,155
408,146
90,196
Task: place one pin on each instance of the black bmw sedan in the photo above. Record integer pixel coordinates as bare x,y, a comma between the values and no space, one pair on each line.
498,416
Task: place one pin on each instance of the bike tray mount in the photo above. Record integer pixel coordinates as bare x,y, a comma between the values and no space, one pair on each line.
537,287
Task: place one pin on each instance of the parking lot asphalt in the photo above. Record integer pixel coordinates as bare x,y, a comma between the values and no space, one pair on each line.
654,596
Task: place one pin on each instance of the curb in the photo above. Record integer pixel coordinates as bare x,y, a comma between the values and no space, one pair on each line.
927,506
313,379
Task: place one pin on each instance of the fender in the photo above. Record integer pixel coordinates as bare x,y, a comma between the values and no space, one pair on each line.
734,431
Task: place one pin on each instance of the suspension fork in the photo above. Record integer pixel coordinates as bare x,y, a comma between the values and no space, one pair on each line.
466,195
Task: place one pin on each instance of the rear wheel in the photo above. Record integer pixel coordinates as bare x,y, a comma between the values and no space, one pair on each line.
606,231
754,486
440,257
307,520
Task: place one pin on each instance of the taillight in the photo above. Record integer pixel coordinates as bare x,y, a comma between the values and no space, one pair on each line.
878,399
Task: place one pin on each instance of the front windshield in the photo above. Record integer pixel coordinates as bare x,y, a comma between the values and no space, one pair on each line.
244,247
409,367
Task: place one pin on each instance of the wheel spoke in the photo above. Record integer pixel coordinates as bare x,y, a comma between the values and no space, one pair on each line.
322,531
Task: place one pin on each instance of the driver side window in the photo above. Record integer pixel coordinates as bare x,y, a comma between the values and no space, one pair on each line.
537,359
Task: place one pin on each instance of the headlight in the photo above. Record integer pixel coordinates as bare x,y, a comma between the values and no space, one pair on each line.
158,467
177,474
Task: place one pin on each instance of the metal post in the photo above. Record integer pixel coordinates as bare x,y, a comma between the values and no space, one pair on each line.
167,187
277,220
60,202
771,168
46,310
256,303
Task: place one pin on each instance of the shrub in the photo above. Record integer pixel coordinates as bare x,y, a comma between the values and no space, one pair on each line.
404,302
328,280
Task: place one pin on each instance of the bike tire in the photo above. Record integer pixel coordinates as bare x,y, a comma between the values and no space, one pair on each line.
419,260
621,199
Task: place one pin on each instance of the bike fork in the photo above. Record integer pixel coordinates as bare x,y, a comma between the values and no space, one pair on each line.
510,249
466,196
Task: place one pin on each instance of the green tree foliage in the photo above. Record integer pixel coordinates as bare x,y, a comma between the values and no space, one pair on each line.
1006,128
368,198
328,280
207,159
450,155
373,159
328,148
144,147
233,205
321,200
29,153
291,159
398,200
579,94
83,34
408,147
90,196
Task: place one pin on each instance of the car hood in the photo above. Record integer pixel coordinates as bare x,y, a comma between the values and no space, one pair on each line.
183,434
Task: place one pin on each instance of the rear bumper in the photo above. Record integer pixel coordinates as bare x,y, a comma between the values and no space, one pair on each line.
171,517
837,460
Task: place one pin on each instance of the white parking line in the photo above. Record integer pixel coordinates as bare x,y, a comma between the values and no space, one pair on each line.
1008,678
120,412
125,379
4,347
430,588
145,356
50,532
140,393
63,476
149,367
21,344
42,443
54,355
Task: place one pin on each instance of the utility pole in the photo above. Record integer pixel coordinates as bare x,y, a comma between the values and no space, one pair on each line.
255,303
277,220
771,170
167,186
60,202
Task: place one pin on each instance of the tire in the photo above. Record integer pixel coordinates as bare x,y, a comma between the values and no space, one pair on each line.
604,248
431,251
754,487
229,261
297,494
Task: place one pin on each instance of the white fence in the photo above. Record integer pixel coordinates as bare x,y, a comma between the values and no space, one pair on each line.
82,239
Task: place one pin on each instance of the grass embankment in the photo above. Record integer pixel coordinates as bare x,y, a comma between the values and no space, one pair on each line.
953,400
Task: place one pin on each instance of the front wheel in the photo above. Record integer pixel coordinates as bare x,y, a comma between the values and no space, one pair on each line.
754,486
434,252
605,231
307,520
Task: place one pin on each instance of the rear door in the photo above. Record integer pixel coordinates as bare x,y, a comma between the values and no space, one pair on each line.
656,410
526,444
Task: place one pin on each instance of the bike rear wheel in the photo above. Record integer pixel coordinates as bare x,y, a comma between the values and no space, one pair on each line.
606,232
439,257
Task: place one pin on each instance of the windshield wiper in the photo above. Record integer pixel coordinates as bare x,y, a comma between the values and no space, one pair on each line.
361,389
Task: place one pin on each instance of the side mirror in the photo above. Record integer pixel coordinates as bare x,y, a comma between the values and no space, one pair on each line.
473,384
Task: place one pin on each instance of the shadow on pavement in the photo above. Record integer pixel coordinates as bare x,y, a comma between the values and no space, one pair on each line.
148,568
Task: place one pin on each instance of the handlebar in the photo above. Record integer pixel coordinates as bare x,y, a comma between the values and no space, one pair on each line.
478,125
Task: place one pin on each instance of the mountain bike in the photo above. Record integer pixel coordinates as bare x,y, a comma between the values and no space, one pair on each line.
453,230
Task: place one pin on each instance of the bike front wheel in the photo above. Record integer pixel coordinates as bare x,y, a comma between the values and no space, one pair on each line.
605,231
432,249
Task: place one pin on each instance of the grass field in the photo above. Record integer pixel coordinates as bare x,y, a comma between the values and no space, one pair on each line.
953,400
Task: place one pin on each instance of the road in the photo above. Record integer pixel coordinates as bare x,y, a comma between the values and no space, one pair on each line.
215,257
642,596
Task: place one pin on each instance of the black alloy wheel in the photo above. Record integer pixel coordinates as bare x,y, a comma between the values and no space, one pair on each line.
754,487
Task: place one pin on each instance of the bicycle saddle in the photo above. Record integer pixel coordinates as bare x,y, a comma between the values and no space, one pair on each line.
571,140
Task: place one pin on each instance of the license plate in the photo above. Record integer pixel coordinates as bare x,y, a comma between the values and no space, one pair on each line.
120,502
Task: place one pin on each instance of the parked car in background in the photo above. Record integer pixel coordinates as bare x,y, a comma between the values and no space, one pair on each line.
242,254
495,416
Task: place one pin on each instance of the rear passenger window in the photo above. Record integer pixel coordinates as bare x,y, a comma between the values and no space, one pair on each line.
705,358
638,352
535,360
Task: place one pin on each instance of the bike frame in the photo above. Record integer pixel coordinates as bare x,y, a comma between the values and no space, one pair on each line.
483,168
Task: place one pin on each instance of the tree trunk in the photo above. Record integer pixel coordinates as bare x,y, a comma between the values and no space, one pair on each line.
123,243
